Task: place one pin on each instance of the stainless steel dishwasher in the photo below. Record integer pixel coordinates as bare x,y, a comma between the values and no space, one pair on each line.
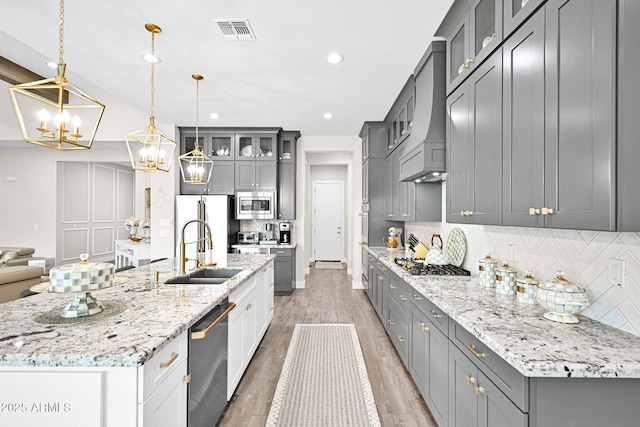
208,366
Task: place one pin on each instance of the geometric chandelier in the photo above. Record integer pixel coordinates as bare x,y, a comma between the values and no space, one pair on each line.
150,150
195,166
53,112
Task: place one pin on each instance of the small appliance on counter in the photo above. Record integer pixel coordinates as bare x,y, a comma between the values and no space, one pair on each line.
248,237
393,241
269,236
285,233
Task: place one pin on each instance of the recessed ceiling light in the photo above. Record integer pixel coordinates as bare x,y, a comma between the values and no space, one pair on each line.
149,57
328,116
214,116
335,58
52,64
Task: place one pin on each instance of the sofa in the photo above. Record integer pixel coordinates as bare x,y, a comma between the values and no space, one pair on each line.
16,276
15,255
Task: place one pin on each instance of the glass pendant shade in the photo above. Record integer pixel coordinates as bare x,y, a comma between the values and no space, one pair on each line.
196,166
150,150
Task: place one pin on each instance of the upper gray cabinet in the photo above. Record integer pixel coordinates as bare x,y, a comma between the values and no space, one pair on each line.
473,29
559,119
516,12
474,147
373,136
399,119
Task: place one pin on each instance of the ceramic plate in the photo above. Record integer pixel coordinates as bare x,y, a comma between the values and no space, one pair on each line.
456,247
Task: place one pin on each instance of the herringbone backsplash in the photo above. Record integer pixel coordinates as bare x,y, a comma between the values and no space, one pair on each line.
582,255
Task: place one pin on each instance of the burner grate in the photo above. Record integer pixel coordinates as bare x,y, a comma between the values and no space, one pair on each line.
420,269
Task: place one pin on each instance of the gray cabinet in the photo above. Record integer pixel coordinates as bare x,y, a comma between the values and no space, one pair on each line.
399,119
373,137
222,174
255,175
473,29
580,114
474,400
429,356
287,191
284,270
287,146
515,13
559,118
474,147
257,146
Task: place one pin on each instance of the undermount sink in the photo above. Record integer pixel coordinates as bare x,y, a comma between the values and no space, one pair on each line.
205,276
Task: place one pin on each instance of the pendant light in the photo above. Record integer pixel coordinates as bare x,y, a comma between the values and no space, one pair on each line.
150,150
53,112
195,166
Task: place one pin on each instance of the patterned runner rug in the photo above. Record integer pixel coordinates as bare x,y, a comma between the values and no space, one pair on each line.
324,380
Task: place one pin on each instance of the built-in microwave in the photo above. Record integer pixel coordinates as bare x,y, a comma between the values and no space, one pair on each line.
255,205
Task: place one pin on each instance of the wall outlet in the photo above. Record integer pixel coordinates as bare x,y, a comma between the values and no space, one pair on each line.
617,272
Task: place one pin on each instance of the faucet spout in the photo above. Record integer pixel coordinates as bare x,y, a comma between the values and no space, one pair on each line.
183,258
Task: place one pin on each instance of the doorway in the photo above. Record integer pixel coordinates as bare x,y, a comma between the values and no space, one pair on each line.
328,220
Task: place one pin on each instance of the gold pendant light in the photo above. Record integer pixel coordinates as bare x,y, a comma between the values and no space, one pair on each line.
195,166
54,113
151,150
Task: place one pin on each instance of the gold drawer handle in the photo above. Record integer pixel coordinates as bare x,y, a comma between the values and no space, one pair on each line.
416,297
475,352
174,356
424,327
435,314
391,322
470,380
403,298
400,338
478,389
391,287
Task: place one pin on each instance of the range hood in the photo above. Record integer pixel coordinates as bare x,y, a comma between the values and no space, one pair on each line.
424,157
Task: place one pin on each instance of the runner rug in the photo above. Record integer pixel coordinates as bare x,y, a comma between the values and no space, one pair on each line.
329,265
324,380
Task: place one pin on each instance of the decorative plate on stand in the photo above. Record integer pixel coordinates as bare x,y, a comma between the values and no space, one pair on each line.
456,247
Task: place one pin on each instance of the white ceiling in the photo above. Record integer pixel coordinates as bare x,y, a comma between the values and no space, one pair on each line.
281,79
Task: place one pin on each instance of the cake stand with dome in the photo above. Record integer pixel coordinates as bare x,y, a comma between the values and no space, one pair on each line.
81,279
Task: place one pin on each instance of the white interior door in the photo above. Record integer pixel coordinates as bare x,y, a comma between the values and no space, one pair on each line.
328,220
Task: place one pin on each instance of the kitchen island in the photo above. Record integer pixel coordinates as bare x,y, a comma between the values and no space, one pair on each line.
474,353
95,370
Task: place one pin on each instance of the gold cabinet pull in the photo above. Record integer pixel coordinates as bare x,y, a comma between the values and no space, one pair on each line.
469,379
174,356
416,297
402,298
400,338
391,286
461,213
475,352
435,314
534,211
186,379
547,211
478,389
391,322
424,327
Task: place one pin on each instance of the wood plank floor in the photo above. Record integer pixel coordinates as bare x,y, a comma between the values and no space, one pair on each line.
328,298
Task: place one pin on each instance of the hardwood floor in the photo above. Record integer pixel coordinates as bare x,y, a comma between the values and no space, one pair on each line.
328,298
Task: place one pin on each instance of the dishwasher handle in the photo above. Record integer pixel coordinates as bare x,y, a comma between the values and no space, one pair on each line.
203,333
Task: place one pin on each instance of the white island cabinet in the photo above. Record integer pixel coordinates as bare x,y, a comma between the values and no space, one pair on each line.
153,395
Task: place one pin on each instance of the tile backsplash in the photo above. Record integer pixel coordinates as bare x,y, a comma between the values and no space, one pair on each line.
582,255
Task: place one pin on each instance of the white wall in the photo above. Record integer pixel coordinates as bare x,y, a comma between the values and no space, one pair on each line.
329,150
582,255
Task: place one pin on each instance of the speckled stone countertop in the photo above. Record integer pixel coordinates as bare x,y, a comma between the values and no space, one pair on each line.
518,333
154,315
257,245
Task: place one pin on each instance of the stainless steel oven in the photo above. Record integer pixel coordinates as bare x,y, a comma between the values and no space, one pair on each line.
255,205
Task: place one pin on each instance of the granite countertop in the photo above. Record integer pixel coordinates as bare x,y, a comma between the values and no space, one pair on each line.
257,245
153,316
518,333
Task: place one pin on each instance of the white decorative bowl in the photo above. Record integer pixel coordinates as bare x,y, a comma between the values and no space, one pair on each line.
562,299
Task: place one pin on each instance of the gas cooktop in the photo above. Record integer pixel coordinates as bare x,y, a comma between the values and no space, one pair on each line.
418,268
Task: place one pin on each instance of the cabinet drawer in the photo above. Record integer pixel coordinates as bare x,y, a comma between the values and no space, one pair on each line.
512,383
399,330
433,313
280,251
157,369
400,292
239,294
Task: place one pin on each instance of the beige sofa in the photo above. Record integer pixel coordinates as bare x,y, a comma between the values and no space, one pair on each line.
17,278
18,255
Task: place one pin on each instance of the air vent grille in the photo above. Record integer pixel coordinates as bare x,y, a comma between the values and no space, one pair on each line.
235,29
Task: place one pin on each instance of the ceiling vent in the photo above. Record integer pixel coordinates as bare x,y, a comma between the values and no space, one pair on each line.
235,29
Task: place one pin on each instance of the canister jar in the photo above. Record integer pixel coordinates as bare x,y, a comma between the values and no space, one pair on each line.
487,269
526,289
506,280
